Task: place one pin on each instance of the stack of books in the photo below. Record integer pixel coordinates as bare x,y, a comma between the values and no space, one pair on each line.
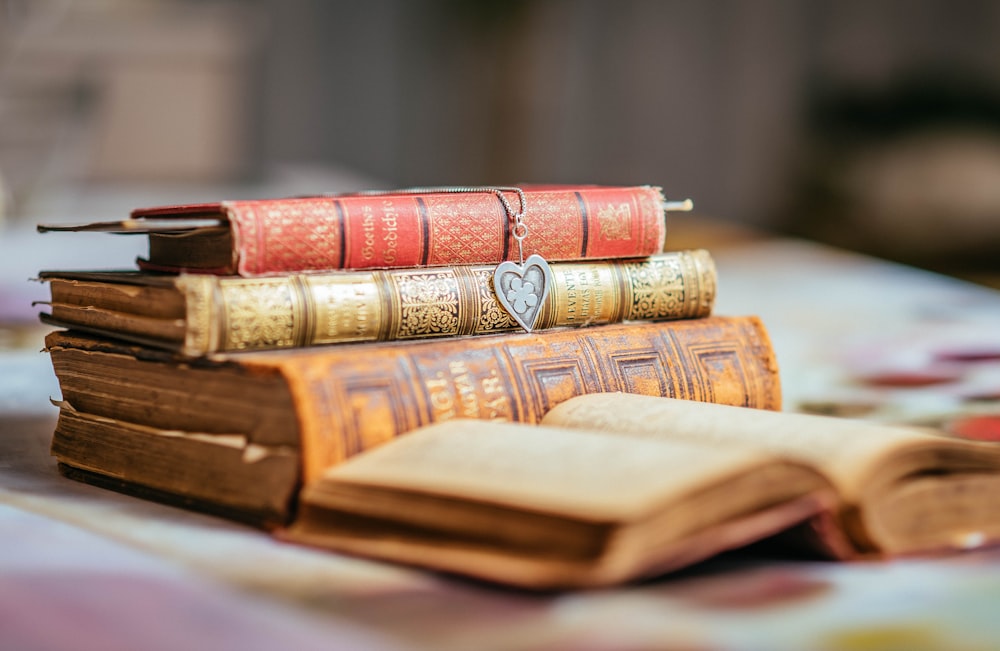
267,355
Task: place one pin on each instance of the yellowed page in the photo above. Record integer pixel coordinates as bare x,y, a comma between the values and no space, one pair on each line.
846,451
570,473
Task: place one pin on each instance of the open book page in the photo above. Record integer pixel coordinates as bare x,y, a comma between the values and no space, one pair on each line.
552,507
571,473
849,453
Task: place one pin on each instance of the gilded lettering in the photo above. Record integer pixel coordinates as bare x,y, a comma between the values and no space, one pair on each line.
467,398
598,294
368,228
390,222
442,400
497,409
331,315
591,295
492,384
360,317
570,304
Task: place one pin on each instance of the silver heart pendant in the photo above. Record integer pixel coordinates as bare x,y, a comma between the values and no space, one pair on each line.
522,289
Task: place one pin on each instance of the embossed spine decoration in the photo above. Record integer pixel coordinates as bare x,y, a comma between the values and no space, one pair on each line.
326,404
230,313
406,230
348,400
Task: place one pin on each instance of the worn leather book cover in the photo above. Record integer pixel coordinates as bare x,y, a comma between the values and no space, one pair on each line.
198,314
405,229
333,402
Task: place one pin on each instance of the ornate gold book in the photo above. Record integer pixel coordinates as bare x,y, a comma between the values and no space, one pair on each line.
200,314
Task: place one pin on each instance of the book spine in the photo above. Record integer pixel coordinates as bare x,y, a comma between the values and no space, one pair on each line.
353,398
232,313
407,230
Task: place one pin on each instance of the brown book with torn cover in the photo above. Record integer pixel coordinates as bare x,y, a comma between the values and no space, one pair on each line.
198,314
198,428
613,487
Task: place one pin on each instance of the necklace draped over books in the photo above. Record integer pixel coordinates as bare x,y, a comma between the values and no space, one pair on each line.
521,287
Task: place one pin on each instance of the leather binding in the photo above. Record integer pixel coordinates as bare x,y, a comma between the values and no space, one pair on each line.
274,236
225,313
345,399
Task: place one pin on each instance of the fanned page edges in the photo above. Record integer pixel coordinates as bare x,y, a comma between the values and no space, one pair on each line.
552,508
405,230
383,540
901,490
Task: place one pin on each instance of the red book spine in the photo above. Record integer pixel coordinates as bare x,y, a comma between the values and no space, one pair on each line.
406,230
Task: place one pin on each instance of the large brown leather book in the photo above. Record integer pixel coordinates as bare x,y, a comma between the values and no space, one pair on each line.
200,428
198,314
612,487
425,227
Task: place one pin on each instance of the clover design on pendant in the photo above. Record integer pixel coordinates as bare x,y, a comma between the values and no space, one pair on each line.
521,295
522,289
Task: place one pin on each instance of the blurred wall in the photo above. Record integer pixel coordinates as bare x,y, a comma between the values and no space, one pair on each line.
741,105
706,97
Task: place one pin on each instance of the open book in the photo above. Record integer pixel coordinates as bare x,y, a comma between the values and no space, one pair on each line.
612,487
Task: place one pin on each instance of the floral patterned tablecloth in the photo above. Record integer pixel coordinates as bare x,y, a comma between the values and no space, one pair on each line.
854,337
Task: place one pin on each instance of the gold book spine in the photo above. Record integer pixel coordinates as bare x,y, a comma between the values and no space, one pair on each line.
233,313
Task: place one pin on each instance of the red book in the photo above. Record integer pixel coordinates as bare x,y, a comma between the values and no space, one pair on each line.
402,229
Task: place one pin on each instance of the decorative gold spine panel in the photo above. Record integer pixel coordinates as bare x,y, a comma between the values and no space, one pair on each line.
232,313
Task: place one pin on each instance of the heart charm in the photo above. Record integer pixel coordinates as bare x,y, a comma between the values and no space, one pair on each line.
522,289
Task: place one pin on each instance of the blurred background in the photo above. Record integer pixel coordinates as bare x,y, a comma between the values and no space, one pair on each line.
870,124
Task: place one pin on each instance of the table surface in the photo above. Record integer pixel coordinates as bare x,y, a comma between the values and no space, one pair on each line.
82,568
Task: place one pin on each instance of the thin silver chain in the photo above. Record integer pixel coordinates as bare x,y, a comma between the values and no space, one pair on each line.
519,229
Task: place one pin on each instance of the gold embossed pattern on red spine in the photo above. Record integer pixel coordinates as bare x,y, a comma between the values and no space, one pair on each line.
405,230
